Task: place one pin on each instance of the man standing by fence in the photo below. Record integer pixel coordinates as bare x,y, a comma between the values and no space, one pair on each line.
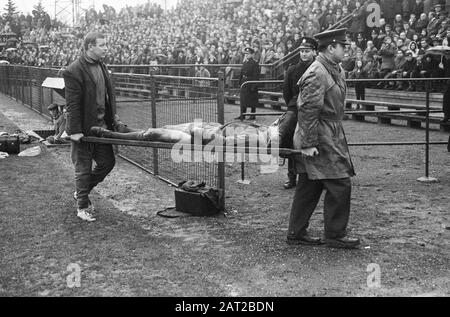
90,102
288,121
249,92
325,162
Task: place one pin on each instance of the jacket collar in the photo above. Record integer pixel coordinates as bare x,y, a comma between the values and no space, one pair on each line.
334,69
85,62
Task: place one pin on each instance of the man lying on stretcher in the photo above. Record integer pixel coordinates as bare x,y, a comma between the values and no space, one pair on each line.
231,133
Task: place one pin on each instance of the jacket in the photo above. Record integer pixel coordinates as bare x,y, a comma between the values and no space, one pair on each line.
387,53
319,124
80,93
290,87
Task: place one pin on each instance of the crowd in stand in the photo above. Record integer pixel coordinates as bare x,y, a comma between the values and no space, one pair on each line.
216,32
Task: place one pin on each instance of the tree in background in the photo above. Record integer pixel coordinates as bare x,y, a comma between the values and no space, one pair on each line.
40,17
11,11
11,17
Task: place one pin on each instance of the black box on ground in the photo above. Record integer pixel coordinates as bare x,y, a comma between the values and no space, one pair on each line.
10,144
194,203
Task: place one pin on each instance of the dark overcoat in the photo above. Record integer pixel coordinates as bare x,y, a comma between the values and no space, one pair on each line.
320,111
80,93
249,93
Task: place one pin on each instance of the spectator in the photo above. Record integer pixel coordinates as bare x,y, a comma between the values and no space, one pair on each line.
446,40
398,22
442,31
409,33
387,53
424,45
360,41
413,49
422,23
376,40
425,68
369,52
348,63
372,68
412,22
360,87
408,71
399,61
202,72
433,25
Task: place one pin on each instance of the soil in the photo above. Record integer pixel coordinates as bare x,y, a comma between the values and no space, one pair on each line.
130,251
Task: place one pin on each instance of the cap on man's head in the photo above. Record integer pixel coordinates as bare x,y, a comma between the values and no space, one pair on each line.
331,36
249,50
308,42
408,53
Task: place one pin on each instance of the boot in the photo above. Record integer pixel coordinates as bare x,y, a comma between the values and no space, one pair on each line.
291,183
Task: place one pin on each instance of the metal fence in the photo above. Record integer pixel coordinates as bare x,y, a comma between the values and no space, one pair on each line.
374,107
24,84
153,101
143,101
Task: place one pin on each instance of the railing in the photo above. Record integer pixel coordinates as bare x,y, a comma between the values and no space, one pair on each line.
24,84
393,108
171,100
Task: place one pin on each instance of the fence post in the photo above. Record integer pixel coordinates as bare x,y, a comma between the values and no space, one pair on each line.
220,98
221,120
426,178
31,89
154,122
41,93
23,85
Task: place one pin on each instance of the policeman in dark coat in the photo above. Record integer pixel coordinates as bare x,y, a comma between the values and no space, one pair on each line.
288,121
249,93
325,163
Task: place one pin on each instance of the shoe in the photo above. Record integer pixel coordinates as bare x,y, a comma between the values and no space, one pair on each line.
90,205
238,118
344,242
304,240
291,183
85,214
252,118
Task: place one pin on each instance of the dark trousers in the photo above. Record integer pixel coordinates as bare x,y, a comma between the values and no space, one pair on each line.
86,178
336,206
292,173
360,91
446,101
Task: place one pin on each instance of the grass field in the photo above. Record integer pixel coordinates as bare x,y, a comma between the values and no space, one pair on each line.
130,251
